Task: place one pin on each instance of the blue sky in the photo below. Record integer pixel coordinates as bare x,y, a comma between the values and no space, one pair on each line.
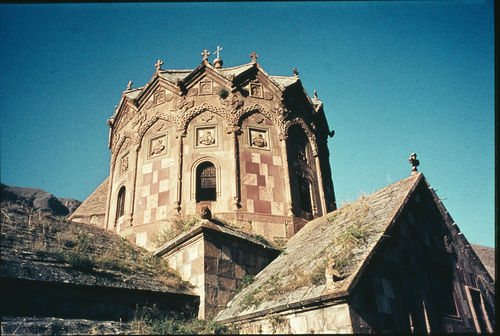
394,77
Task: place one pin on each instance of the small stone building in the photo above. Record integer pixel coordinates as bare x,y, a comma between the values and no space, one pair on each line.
250,146
393,261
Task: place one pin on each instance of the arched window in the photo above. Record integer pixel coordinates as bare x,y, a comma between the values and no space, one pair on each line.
206,182
305,192
120,203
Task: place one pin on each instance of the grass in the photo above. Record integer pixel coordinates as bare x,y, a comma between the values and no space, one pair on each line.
175,228
83,247
149,321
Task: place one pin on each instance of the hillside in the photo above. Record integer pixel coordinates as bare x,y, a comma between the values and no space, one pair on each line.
37,200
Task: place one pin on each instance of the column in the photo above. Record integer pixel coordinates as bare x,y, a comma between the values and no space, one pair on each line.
286,174
320,184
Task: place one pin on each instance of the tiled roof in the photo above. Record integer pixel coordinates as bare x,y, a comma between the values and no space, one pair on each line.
292,278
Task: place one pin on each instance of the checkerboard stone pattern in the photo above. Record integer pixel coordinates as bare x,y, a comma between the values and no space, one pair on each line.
153,195
262,183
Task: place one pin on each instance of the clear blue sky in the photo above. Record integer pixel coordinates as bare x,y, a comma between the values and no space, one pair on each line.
395,78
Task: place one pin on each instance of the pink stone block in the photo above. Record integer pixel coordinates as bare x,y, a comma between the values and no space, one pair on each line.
266,158
253,193
163,198
155,188
262,206
251,167
164,173
157,165
147,178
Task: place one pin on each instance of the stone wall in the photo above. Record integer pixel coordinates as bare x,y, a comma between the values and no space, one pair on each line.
52,299
215,263
333,319
420,279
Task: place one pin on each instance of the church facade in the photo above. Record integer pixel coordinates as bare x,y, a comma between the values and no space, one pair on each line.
250,146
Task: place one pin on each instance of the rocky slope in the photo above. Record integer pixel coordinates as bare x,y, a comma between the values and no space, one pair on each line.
37,200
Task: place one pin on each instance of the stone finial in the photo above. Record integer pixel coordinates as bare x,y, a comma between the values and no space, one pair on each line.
315,94
129,85
295,72
254,56
414,162
158,64
205,212
205,54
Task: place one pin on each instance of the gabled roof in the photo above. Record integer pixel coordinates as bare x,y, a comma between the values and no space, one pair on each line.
289,281
94,204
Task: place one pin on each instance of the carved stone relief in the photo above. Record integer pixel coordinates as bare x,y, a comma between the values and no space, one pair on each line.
159,98
258,138
206,136
124,164
158,146
206,117
256,90
206,87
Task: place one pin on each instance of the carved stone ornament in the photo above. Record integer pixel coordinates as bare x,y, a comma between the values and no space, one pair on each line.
259,138
124,164
205,136
159,97
206,117
148,104
183,104
257,118
206,87
158,146
193,92
256,90
139,119
233,101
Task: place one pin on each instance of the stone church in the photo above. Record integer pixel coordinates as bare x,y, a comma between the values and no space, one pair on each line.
248,151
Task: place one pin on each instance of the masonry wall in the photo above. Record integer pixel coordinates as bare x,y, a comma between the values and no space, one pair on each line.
227,261
216,264
334,319
42,298
419,279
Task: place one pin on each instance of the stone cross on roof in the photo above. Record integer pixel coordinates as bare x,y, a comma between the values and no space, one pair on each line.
217,51
158,64
129,85
205,54
254,56
414,162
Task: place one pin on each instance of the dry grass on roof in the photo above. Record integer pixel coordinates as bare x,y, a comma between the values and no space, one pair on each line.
37,247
